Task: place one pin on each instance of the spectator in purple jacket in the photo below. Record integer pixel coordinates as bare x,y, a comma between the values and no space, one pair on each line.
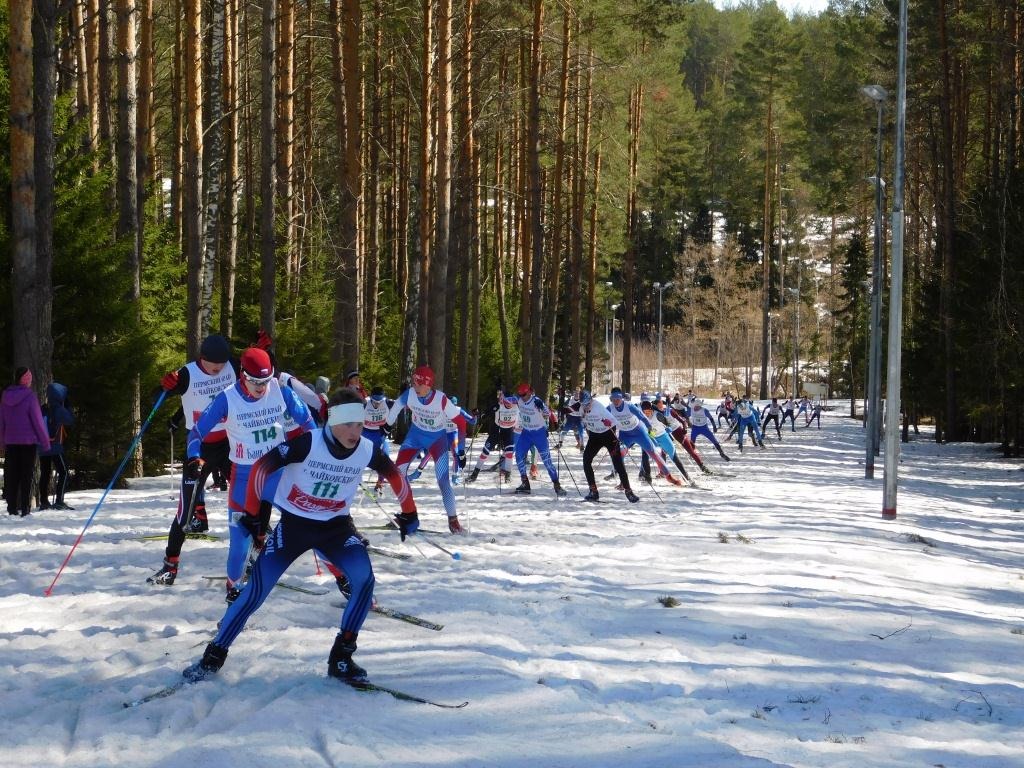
21,431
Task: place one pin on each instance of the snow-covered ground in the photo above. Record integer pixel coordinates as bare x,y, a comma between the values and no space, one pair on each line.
808,630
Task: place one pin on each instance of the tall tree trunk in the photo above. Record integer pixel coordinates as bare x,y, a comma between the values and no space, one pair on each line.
581,326
106,44
44,89
536,288
558,210
345,25
214,158
285,102
145,151
437,315
268,180
632,234
424,213
231,106
192,204
92,48
372,176
947,223
499,235
592,259
766,249
473,189
78,40
128,195
178,130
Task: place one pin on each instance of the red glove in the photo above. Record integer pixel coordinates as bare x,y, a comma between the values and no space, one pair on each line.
169,381
263,341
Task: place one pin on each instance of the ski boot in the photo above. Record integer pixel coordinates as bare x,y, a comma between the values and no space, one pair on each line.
611,475
209,665
506,475
198,523
534,472
644,477
705,470
673,479
165,576
631,497
559,490
524,487
340,664
454,526
473,475
378,489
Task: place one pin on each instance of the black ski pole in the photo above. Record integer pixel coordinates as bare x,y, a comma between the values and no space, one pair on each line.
559,450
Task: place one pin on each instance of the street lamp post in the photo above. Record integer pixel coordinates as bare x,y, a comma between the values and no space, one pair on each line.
878,95
892,388
661,292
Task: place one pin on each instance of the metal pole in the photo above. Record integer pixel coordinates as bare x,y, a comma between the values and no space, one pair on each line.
796,334
892,391
875,367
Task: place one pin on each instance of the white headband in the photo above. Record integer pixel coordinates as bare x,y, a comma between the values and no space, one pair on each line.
346,413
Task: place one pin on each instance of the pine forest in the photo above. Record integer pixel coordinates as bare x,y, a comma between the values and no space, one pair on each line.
571,193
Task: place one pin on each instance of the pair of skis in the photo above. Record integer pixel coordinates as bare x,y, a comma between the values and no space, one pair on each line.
365,686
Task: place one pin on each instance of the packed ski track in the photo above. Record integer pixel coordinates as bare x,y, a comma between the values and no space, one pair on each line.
801,628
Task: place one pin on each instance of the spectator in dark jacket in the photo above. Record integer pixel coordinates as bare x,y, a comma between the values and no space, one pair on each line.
58,420
21,431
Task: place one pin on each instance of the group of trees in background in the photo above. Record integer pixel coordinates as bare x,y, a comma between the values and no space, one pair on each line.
476,183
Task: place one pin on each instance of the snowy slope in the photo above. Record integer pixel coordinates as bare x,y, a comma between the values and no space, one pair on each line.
809,631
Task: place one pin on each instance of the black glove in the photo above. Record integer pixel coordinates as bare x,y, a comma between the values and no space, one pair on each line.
408,523
254,526
194,468
461,455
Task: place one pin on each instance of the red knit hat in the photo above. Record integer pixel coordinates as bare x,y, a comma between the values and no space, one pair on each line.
423,376
256,363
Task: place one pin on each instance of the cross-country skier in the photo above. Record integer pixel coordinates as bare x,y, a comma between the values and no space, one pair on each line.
633,429
198,383
815,414
254,412
503,419
430,410
772,413
787,413
600,426
375,425
319,474
534,416
747,418
659,433
678,424
700,425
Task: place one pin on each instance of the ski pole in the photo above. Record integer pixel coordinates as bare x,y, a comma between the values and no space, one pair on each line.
173,484
559,450
391,525
649,482
420,536
117,473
